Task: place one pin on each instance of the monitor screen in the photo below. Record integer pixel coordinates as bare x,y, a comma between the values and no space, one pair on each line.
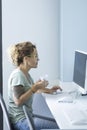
80,68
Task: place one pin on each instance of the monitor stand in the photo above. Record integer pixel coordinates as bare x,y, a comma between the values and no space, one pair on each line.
85,86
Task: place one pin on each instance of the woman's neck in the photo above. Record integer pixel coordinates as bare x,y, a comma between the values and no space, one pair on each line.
24,69
25,72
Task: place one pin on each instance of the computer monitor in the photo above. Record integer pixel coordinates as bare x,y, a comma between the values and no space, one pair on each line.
80,70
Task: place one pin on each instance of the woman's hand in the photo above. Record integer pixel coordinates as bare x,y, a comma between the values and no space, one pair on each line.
41,84
54,89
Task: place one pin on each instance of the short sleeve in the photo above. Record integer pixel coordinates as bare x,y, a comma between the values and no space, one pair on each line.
17,79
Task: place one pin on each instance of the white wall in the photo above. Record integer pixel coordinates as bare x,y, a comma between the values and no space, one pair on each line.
73,34
37,21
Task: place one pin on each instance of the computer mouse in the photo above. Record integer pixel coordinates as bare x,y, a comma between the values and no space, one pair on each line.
57,92
54,93
65,99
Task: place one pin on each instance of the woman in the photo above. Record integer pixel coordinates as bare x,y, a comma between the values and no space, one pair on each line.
21,85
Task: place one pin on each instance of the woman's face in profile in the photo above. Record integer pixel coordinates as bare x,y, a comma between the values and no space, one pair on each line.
33,60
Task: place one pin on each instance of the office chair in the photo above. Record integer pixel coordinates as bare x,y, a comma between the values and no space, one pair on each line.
43,117
30,118
5,112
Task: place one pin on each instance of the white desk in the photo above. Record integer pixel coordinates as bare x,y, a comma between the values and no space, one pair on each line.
58,108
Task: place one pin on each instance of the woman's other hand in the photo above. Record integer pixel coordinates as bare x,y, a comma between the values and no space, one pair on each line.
55,88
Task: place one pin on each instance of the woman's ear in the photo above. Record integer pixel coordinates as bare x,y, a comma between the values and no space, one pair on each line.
25,58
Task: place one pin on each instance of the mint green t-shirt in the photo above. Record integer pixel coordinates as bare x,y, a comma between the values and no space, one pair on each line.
16,78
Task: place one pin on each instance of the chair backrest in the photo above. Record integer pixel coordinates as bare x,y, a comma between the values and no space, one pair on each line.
29,117
5,112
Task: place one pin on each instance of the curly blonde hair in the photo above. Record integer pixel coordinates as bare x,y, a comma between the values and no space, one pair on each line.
18,51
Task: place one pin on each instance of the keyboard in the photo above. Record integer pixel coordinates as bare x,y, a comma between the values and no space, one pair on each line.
65,92
76,116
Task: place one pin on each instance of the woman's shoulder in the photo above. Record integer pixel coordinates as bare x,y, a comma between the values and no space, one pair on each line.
17,72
